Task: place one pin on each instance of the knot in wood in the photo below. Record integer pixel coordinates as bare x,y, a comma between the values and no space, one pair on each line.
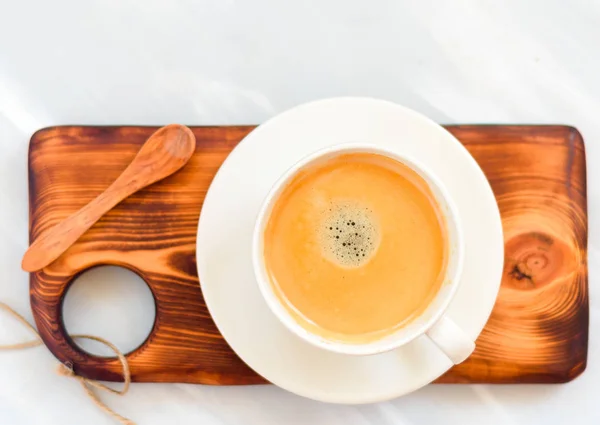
535,259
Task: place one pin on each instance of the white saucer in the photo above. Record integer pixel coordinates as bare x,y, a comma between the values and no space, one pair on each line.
225,239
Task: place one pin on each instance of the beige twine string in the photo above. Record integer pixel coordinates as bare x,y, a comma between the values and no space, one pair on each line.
64,370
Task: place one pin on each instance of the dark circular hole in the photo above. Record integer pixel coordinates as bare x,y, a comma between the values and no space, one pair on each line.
110,302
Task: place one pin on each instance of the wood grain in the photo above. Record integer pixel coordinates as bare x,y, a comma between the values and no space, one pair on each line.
537,332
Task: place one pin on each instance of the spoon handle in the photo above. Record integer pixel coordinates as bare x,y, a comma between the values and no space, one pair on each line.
50,245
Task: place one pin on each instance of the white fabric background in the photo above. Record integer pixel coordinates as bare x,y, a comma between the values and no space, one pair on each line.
238,62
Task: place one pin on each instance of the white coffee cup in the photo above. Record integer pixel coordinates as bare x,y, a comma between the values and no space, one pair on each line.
433,322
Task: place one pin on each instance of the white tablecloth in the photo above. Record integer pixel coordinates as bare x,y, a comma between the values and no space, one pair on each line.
238,62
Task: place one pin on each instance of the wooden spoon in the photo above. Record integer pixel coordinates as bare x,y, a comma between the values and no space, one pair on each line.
165,151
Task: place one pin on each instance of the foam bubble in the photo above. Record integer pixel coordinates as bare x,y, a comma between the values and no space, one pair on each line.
349,234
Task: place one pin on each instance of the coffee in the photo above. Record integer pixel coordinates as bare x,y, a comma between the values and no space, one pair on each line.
355,246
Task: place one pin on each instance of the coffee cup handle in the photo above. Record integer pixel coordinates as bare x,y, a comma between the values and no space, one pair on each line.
451,339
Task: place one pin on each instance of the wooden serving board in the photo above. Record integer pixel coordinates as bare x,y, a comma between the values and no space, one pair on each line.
538,331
